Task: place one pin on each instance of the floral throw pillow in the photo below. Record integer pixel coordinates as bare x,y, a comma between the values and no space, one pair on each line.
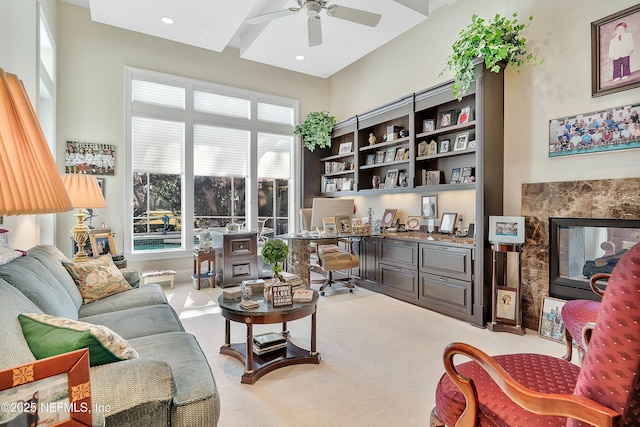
97,278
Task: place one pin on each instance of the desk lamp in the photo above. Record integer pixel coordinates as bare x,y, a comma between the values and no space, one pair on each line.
85,193
29,179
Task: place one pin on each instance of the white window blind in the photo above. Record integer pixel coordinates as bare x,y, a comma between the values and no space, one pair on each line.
220,151
223,105
275,113
157,145
274,155
158,94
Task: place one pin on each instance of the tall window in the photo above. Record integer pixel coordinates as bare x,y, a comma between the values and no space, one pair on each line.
204,155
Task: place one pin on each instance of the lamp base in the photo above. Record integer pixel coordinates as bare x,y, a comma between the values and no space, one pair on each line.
80,233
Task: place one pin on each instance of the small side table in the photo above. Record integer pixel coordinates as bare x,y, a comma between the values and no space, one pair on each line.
506,309
200,256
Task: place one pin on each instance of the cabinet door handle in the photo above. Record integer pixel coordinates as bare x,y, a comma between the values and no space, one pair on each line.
443,279
444,248
397,269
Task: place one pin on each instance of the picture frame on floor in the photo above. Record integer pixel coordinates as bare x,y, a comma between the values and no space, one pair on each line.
551,323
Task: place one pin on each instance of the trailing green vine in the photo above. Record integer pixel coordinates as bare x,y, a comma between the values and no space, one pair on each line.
316,130
497,41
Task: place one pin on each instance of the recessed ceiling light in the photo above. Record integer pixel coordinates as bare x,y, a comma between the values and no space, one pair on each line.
299,57
167,20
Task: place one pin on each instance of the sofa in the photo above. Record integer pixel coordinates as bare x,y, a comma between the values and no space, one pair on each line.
168,383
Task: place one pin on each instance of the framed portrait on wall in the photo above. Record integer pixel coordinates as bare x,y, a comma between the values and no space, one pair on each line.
613,53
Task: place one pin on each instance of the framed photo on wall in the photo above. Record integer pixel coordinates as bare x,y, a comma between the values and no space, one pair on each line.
551,322
613,53
430,206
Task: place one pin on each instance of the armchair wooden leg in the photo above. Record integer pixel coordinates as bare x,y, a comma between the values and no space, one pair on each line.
435,420
569,342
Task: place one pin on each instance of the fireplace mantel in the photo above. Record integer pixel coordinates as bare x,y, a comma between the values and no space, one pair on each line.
605,199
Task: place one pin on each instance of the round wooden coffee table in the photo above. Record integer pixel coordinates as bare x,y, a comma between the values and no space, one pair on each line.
258,365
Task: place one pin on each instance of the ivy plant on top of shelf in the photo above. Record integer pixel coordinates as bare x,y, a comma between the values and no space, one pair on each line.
497,41
316,130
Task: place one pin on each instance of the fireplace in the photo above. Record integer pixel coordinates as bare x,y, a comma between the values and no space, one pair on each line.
581,247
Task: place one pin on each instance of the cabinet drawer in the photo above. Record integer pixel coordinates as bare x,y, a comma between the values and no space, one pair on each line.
396,252
446,261
240,269
445,292
241,247
397,280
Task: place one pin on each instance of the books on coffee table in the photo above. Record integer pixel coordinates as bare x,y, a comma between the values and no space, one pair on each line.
302,295
270,341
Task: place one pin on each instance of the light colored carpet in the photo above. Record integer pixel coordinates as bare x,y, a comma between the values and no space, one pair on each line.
381,360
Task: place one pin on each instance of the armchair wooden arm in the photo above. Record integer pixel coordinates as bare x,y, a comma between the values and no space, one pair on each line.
594,279
566,405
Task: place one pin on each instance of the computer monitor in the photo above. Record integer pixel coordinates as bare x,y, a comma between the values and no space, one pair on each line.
329,207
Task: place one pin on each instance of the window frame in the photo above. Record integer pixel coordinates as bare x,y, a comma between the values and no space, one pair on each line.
191,117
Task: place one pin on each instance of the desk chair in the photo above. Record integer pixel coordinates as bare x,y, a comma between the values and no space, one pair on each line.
536,389
331,258
579,313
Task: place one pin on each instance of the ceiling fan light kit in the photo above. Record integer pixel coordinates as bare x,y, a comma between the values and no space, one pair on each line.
314,7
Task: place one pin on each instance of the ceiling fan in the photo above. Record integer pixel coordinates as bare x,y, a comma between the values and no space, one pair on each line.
314,7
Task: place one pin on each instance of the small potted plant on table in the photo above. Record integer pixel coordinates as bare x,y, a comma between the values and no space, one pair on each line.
274,252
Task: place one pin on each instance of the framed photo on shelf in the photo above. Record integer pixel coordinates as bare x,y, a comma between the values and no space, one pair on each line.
402,179
387,218
375,181
380,157
391,155
506,229
102,244
467,175
613,37
455,176
392,179
448,223
428,125
433,177
400,153
329,224
343,223
345,147
551,322
422,149
62,379
432,150
445,118
461,141
444,146
413,223
472,145
347,184
430,206
465,115
371,159
506,304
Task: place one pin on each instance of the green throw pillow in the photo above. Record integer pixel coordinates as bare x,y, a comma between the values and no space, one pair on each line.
49,336
97,278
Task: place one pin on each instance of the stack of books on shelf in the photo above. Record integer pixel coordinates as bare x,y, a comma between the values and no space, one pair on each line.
292,279
270,341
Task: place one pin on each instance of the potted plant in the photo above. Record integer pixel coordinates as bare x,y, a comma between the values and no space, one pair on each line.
499,42
316,129
275,252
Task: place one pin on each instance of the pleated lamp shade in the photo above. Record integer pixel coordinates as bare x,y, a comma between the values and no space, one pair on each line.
30,182
84,191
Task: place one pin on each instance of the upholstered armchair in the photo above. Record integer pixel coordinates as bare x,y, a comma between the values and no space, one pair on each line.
578,314
534,389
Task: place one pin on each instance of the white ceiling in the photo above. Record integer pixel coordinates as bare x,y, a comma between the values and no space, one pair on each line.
216,24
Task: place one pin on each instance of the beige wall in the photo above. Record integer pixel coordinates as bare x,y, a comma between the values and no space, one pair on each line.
560,34
91,105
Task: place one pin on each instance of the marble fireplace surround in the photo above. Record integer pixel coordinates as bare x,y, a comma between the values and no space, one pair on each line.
603,198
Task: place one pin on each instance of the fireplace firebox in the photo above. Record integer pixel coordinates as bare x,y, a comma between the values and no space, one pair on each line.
581,247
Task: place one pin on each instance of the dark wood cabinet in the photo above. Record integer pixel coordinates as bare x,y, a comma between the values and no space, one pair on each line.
236,256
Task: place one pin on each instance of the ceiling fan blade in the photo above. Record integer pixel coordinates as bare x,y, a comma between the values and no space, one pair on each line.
420,6
354,15
273,15
315,31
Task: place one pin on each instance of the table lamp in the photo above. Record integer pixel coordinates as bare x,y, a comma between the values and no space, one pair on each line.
29,179
85,193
